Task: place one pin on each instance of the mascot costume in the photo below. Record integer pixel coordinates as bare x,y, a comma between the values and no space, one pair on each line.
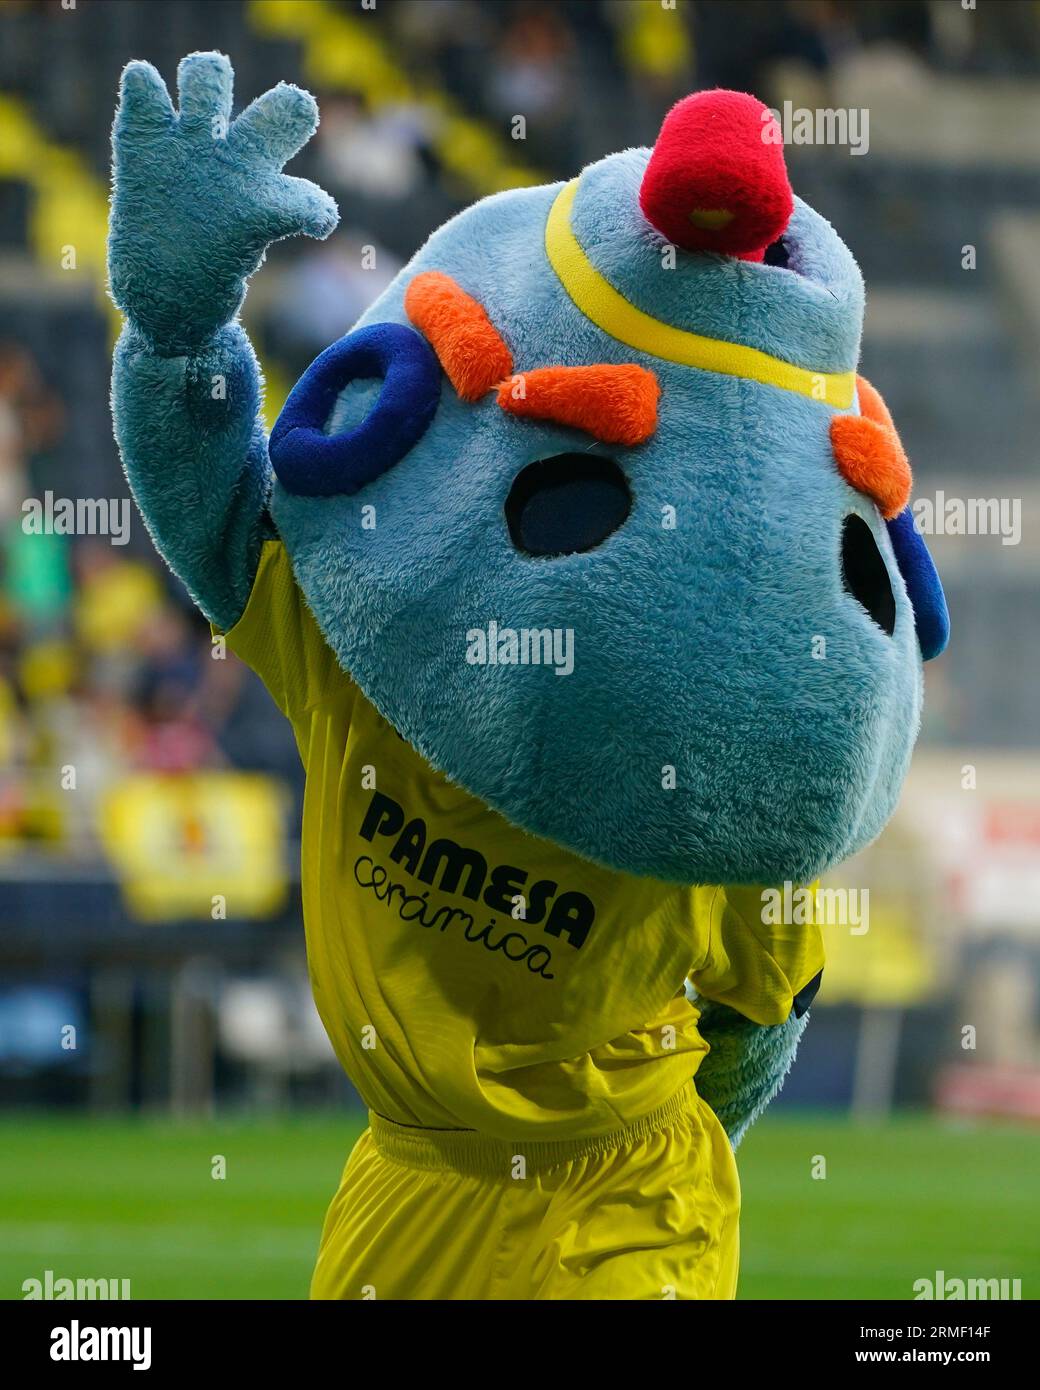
583,569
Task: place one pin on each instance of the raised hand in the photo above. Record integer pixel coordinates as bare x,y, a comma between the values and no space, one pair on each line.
197,198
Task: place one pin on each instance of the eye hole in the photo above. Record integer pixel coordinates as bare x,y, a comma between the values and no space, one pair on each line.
777,254
566,504
865,574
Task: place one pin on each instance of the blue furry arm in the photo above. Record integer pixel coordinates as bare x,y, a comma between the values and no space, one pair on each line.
196,200
197,466
747,1063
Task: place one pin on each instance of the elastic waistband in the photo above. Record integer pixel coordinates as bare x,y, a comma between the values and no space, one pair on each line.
469,1151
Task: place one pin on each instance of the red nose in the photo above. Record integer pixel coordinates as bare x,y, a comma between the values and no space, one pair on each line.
716,180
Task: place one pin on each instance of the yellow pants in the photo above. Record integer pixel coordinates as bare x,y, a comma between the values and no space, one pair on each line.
647,1212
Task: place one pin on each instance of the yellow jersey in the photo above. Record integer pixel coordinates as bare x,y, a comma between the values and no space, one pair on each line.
473,976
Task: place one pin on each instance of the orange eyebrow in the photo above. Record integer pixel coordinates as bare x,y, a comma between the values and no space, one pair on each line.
617,405
870,454
467,344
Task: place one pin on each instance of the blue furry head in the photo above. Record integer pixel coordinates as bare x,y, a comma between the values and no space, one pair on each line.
723,678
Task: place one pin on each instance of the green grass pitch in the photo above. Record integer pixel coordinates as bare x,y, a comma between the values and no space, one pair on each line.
135,1199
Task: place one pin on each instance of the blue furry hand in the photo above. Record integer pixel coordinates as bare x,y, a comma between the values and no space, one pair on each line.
197,198
746,1065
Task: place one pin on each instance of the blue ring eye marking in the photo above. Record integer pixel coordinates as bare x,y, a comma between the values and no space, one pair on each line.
931,616
311,463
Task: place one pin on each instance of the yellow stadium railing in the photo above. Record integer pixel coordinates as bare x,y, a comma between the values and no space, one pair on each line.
346,52
68,223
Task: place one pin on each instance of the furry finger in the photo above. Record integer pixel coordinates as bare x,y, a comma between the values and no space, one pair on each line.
297,206
204,86
144,107
276,125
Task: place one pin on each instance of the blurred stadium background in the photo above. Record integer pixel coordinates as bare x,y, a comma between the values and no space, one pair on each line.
137,774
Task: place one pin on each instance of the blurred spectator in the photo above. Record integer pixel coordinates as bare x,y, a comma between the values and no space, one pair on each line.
31,419
172,735
118,598
323,293
532,76
375,153
656,46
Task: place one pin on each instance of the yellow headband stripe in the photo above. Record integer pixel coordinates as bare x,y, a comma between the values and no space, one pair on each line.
599,301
